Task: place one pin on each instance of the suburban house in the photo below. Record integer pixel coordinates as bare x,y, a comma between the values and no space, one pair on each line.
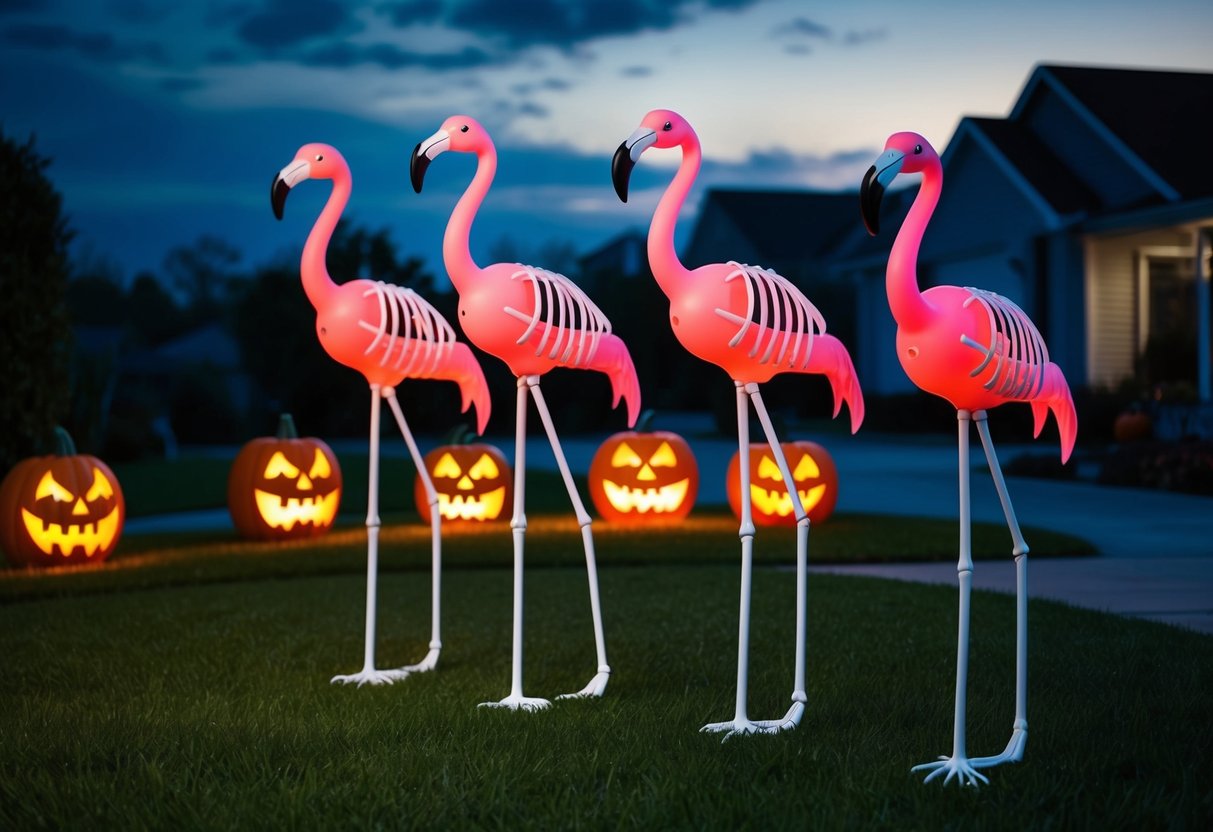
1090,206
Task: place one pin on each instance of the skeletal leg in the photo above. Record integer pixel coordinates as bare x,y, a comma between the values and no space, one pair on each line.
597,685
799,698
740,723
1013,753
958,764
516,700
431,658
368,674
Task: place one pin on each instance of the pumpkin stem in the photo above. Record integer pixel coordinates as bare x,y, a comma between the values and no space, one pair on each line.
646,419
64,446
286,427
461,434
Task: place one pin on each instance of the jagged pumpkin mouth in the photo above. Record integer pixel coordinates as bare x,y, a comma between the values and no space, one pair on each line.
280,512
643,500
486,506
779,502
91,537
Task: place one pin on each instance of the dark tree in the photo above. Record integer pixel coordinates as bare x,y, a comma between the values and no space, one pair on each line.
34,331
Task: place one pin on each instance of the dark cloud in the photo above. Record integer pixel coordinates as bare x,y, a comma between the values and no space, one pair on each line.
181,84
97,46
556,84
344,54
138,11
413,11
636,71
804,27
798,49
858,38
286,23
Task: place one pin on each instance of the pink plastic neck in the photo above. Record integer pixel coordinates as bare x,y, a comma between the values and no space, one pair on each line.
312,267
663,259
456,250
909,308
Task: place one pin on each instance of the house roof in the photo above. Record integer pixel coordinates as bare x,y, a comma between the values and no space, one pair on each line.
1032,159
788,225
1163,117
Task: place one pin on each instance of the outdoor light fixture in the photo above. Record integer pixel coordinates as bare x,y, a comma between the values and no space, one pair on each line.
62,509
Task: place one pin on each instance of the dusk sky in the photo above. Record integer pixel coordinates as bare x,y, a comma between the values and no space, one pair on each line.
167,120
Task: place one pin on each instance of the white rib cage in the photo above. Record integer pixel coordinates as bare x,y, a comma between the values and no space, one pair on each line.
571,320
785,316
425,337
1018,350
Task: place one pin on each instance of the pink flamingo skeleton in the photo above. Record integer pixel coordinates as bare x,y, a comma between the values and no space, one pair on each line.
388,333
533,320
977,350
752,323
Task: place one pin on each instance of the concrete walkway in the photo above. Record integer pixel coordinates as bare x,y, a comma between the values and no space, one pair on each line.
1156,547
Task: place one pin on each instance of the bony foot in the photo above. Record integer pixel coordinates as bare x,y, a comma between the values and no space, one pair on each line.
425,665
790,720
737,727
596,687
370,676
959,767
1013,753
518,702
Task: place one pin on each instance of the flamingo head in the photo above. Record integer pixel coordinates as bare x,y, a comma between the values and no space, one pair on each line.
463,134
660,128
312,161
903,153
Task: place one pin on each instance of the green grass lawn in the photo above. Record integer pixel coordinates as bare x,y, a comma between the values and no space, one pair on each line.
186,686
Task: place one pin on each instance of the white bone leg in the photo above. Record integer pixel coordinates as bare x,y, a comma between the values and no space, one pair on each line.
1013,753
741,723
958,765
792,718
368,674
597,685
516,700
435,648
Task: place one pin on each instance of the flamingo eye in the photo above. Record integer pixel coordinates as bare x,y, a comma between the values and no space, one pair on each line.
319,157
667,126
463,129
917,149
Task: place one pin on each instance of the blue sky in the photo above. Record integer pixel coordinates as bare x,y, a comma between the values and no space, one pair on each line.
166,120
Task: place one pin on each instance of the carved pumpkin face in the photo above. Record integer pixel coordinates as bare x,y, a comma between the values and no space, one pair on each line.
638,477
813,473
284,487
474,482
60,510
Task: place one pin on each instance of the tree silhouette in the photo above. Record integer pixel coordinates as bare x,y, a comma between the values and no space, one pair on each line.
34,333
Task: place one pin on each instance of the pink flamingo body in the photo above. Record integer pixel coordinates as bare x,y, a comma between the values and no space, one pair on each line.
533,320
753,324
977,350
388,334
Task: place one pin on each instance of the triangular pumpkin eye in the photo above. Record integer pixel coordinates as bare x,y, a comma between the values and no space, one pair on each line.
101,487
484,468
625,457
664,457
49,487
806,469
447,467
768,470
320,466
279,466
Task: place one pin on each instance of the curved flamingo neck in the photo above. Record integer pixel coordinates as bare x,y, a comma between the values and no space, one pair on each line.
456,243
313,268
663,259
910,309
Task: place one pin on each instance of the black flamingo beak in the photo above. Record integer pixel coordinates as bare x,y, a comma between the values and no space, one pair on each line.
875,182
278,192
621,170
418,165
871,192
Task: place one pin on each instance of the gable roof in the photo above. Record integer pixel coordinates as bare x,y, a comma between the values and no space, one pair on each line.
787,225
1159,119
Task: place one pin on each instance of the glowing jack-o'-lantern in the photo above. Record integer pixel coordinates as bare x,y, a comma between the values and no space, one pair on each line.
61,509
814,475
474,482
641,476
283,487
